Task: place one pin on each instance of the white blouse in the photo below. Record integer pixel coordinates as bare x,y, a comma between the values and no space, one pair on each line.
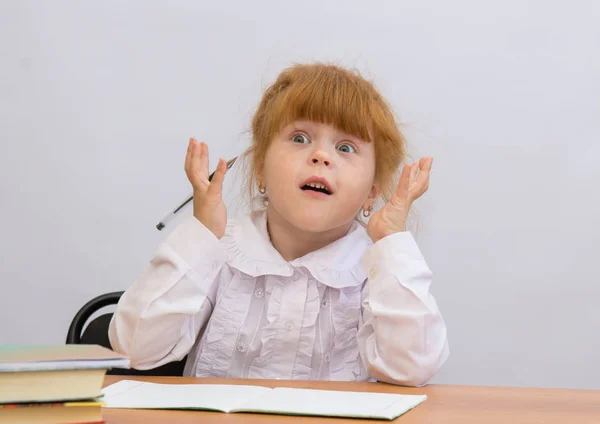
238,309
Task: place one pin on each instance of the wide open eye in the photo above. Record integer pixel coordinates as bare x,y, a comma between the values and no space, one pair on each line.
300,138
346,148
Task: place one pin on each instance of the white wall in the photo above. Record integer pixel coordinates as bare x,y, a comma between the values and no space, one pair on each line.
98,99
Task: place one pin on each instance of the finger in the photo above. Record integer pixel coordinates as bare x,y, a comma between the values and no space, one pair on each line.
188,153
216,184
194,171
403,183
203,161
425,168
426,163
188,158
422,183
413,172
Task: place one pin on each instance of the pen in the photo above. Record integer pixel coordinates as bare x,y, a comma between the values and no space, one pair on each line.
162,224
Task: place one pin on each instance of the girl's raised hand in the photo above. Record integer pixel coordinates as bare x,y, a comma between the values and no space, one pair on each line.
209,207
414,181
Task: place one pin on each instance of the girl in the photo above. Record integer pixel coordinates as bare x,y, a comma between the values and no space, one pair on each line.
298,289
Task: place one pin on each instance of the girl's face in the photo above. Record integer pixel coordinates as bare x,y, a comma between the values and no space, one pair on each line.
318,178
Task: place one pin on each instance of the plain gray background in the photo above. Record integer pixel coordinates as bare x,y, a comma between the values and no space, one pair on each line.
98,100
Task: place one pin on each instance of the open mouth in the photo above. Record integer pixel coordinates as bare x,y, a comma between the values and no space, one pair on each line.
318,187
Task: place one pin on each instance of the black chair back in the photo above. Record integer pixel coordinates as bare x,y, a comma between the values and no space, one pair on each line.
96,332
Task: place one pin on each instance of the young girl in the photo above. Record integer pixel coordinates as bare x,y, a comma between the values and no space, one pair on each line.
298,289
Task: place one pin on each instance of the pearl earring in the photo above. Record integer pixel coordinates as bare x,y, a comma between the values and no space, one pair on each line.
262,189
367,212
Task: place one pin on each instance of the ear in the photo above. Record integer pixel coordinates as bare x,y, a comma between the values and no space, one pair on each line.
372,196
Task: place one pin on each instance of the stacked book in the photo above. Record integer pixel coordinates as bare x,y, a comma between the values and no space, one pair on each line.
54,384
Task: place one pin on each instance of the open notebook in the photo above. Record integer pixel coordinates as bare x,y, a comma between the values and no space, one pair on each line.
232,398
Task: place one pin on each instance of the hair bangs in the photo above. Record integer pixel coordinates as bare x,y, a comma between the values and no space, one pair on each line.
327,97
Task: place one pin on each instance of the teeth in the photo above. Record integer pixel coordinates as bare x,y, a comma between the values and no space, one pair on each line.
317,185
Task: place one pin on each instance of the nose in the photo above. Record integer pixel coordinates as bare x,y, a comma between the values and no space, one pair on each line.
320,156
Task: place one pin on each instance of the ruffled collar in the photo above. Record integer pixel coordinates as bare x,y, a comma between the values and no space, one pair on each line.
337,265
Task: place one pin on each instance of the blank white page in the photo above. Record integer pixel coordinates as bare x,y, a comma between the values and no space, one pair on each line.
333,403
142,395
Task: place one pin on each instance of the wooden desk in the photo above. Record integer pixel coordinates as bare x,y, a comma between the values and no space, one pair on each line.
445,404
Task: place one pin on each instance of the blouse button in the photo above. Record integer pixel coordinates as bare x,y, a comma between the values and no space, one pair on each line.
289,325
259,292
324,302
296,276
241,347
372,273
327,357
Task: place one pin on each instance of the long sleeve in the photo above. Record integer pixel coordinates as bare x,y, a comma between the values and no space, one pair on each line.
159,317
402,339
